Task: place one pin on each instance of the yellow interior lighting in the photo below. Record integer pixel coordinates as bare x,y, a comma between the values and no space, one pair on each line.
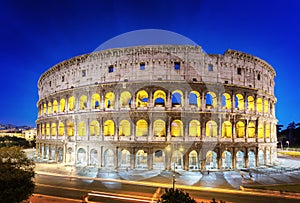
226,129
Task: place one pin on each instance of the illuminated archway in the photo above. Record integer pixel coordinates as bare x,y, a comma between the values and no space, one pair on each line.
125,158
159,98
268,156
70,129
83,102
226,101
226,129
53,129
260,130
193,160
81,156
159,128
71,103
81,129
266,106
211,100
261,158
93,157
211,129
95,101
141,159
195,99
109,100
49,108
124,128
60,154
240,129
240,159
125,99
62,105
259,105
251,159
239,102
159,159
43,129
268,132
45,108
194,128
142,99
55,106
177,160
211,160
250,103
226,160
109,128
47,129
251,130
177,128
141,128
61,129
94,128
109,159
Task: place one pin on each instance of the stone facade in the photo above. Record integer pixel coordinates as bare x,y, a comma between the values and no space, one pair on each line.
158,107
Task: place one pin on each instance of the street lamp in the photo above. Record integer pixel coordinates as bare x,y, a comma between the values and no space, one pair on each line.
288,143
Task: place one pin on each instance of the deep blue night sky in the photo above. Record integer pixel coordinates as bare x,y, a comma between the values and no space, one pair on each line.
36,35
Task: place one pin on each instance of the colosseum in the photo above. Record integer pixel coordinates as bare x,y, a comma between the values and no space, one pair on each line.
158,107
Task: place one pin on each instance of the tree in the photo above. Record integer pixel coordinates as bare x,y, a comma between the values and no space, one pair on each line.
16,175
177,196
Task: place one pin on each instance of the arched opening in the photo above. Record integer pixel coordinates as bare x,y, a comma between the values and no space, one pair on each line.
142,99
53,129
69,156
94,157
141,159
260,130
83,102
62,105
268,156
193,160
125,99
210,100
95,101
55,106
60,154
226,160
259,105
81,156
49,108
240,129
124,128
268,131
261,158
141,128
109,128
194,128
239,102
109,158
70,129
94,128
45,108
177,128
61,129
177,98
124,159
159,98
211,160
177,160
48,129
81,129
240,159
159,128
211,129
226,129
194,99
250,103
266,106
251,159
251,130
159,160
71,103
109,100
226,101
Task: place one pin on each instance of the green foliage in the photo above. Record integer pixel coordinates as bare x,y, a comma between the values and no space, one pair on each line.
16,174
8,141
177,196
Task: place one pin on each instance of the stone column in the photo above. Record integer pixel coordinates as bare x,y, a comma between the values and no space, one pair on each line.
186,100
87,155
246,158
233,158
186,161
150,158
203,102
132,158
116,158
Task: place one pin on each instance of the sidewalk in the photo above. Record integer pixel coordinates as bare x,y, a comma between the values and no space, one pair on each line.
38,198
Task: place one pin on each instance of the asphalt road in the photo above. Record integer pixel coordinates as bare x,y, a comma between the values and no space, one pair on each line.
103,191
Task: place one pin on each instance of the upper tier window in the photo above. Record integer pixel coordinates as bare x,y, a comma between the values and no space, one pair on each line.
239,71
142,66
111,69
210,67
177,65
83,73
258,77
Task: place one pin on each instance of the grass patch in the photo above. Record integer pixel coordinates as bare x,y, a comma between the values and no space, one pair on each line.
290,153
286,188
